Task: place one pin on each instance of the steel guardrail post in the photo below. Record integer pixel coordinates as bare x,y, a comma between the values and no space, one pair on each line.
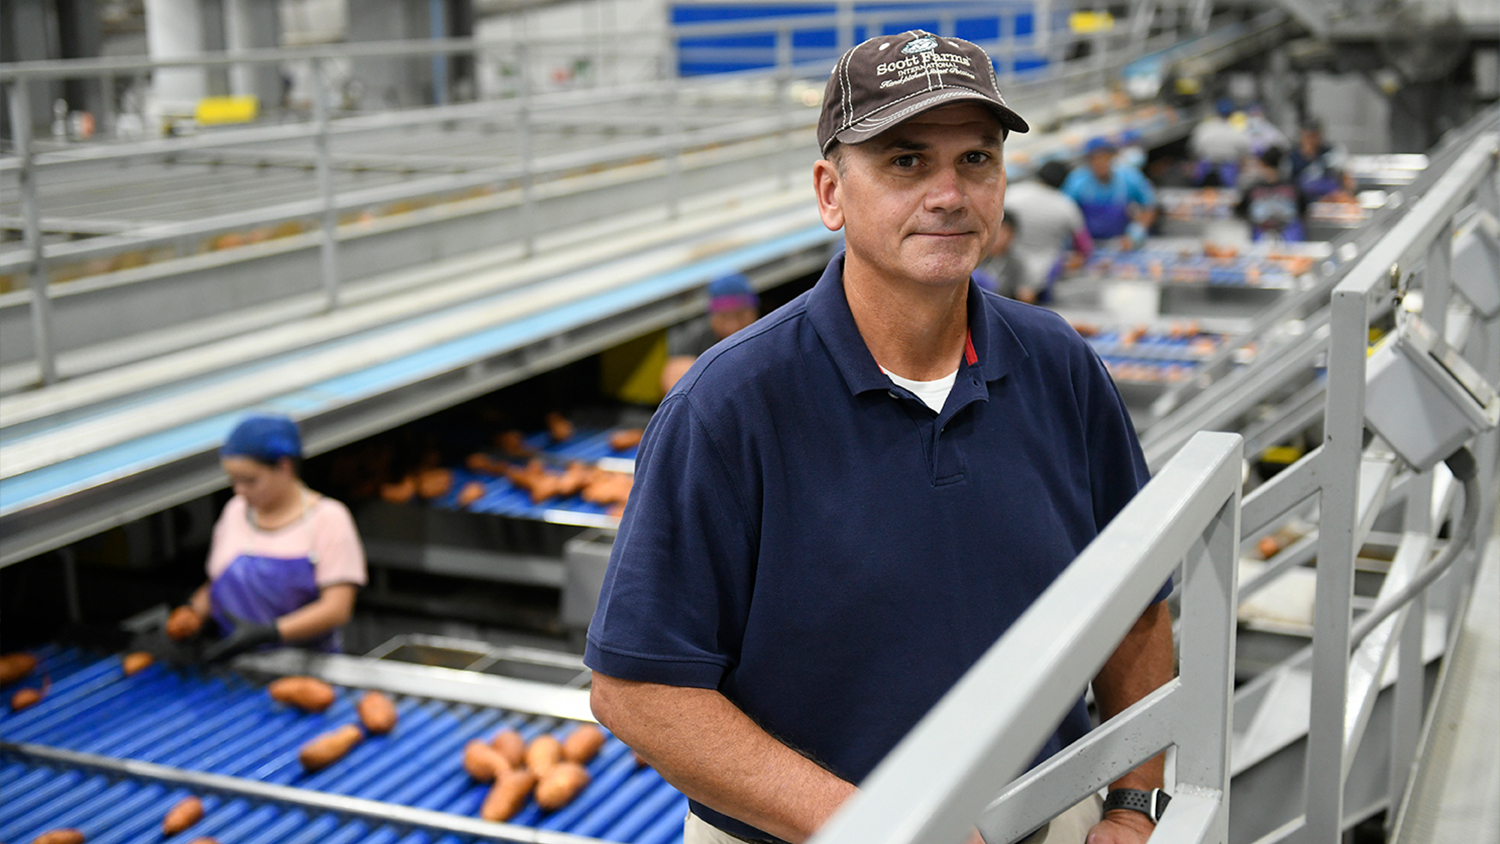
674,148
1343,448
528,163
783,107
31,215
329,253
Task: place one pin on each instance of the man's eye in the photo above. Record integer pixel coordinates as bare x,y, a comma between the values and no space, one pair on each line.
977,157
905,161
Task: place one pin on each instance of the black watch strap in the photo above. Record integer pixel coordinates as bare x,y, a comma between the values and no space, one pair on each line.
1151,803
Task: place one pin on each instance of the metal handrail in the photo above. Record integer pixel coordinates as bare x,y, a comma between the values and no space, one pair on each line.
934,786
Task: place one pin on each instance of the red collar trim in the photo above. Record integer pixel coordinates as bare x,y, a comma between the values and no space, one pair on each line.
971,357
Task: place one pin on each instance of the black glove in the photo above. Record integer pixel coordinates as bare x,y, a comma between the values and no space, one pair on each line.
246,636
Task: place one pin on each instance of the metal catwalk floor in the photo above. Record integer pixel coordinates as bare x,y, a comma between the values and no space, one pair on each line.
220,723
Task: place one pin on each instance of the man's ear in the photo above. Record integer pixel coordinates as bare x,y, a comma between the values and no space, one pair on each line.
826,187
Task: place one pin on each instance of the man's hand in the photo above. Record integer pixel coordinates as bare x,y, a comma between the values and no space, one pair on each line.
1121,826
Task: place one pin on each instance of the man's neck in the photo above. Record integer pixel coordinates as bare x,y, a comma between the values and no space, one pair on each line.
913,330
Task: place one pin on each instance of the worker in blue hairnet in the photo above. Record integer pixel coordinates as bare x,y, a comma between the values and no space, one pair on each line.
285,562
1118,203
732,305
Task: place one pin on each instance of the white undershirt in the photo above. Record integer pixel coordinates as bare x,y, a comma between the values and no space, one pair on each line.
932,393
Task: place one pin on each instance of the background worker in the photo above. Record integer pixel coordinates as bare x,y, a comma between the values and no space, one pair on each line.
1002,271
836,512
1054,238
1270,202
285,562
732,305
1118,203
1219,145
1316,165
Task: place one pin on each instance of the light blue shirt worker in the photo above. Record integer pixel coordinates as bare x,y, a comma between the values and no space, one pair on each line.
1106,205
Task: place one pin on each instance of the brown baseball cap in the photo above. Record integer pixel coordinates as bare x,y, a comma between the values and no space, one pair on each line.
892,78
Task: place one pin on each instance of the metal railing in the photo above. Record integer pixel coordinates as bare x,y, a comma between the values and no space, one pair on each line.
786,91
1349,658
942,779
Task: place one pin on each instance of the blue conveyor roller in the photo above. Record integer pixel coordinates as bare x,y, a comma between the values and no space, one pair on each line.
219,723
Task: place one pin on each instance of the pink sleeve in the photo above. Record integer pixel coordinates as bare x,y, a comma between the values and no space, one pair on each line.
225,545
339,555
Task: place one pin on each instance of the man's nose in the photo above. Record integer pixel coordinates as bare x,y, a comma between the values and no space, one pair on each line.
945,190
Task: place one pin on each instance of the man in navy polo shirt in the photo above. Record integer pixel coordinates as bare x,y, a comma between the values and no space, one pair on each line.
840,508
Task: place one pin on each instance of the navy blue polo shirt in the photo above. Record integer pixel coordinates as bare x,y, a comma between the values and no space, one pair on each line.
821,547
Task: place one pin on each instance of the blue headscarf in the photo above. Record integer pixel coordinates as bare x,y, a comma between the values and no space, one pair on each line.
264,438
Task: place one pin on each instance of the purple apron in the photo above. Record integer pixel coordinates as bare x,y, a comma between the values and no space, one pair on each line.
263,589
1105,219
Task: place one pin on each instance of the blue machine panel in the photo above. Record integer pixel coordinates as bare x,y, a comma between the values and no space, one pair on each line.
218,722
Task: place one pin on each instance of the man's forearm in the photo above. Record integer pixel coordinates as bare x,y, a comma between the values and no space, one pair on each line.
1140,665
712,752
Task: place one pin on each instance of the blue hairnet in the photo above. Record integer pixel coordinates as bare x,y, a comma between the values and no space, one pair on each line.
264,438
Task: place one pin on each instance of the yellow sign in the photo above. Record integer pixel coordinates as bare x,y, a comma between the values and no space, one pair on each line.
214,111
1087,22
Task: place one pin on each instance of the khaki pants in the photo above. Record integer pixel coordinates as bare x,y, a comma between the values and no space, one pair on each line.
1071,827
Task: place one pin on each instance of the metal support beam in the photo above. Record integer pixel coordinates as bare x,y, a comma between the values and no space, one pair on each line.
31,213
329,257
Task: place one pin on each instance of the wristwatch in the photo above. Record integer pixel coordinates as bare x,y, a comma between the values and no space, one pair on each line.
1151,803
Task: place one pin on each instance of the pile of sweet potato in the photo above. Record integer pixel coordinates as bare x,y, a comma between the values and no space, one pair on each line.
551,770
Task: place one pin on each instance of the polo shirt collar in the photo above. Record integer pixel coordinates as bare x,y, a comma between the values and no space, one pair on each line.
995,344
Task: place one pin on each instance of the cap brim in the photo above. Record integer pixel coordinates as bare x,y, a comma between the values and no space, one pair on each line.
879,121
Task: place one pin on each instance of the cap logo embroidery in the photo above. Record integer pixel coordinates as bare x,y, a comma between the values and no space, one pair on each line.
925,44
921,64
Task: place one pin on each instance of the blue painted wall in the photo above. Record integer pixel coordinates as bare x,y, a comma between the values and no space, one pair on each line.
752,50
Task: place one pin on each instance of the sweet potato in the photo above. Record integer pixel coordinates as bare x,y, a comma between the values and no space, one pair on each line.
482,762
24,698
559,427
470,493
204,840
1268,547
485,464
543,752
399,492
574,479
626,438
305,693
513,443
136,662
583,744
184,623
508,795
432,483
330,747
188,811
511,747
377,713
60,836
15,666
561,784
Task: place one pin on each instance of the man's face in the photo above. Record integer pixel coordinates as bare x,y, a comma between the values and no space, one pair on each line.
919,202
1102,163
1311,140
725,323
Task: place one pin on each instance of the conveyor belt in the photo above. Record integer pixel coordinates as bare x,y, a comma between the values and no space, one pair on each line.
39,798
219,723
